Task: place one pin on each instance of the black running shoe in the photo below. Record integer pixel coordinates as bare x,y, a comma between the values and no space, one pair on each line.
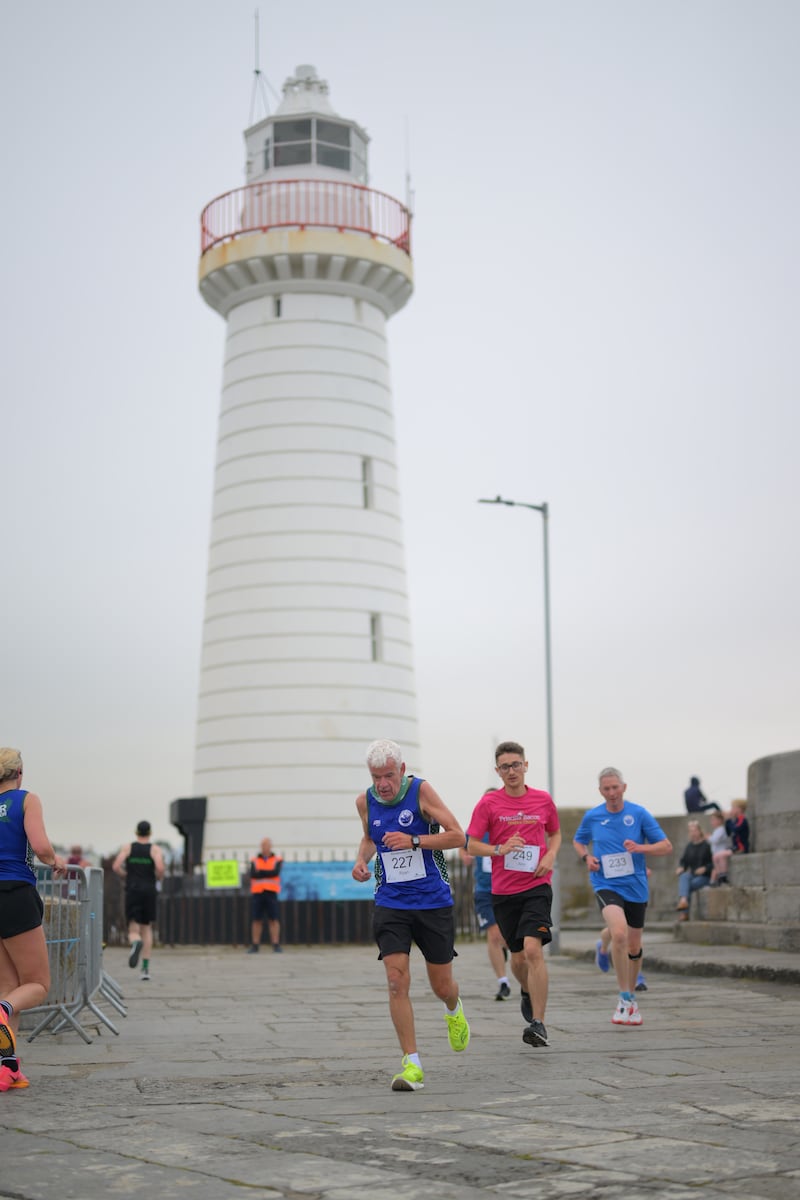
136,950
503,992
535,1034
525,1006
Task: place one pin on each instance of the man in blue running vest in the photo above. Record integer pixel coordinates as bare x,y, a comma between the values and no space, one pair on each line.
405,828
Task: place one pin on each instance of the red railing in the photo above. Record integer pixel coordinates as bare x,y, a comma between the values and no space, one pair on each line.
305,204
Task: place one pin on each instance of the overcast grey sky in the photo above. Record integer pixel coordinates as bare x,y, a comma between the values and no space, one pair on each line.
605,318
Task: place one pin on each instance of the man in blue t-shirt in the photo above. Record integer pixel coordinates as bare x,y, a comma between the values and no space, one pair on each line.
621,835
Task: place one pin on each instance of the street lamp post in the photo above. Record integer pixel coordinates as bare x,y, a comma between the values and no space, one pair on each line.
555,945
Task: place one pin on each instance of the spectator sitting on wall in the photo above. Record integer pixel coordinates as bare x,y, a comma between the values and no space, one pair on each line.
694,869
694,799
720,842
737,828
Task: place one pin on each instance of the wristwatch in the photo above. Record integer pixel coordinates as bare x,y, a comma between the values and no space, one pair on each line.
414,841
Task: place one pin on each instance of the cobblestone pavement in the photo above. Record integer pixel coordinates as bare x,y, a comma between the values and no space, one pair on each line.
268,1076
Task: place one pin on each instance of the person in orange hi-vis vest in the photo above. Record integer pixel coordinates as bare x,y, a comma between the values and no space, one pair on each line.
265,886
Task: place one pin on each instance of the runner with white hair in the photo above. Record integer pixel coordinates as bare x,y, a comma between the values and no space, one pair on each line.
405,828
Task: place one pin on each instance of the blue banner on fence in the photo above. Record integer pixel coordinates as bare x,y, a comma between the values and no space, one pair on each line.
322,881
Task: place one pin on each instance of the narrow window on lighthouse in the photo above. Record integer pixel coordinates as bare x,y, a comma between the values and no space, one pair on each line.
277,306
367,484
376,636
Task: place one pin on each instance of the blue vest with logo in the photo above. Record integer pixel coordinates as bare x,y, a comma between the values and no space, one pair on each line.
429,891
16,855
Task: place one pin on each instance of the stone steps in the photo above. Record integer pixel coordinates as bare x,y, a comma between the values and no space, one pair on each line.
743,904
761,935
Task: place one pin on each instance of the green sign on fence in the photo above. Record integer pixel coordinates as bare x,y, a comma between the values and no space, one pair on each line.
222,873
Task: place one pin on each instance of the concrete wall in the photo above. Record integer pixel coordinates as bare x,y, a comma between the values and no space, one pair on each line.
773,807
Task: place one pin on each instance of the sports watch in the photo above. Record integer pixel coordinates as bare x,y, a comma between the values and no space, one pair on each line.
414,841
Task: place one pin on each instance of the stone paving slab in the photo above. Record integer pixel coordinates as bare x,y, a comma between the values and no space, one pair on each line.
267,1078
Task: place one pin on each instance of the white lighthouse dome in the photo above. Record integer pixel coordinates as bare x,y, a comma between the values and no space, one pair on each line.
305,92
306,138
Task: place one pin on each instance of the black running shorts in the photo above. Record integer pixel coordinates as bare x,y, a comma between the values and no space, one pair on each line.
140,905
433,930
634,909
524,914
21,908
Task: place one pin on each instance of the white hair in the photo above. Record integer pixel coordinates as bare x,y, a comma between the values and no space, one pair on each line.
610,771
379,753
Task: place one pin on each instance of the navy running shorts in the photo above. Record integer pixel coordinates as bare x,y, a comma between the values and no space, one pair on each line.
484,912
264,906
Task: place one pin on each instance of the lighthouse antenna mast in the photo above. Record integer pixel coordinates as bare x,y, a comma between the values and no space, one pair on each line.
260,81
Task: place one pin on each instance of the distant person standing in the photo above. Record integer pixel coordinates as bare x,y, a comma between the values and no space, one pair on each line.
694,799
141,865
265,886
24,964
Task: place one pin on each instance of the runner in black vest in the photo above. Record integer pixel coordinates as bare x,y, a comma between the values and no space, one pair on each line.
140,864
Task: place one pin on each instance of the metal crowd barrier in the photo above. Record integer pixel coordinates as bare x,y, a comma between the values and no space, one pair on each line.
73,928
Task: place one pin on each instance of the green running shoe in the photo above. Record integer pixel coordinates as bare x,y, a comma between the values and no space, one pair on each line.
457,1028
410,1079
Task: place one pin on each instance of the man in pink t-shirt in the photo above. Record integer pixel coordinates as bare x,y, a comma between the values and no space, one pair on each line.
525,837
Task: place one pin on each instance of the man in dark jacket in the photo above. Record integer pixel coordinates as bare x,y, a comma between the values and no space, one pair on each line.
695,800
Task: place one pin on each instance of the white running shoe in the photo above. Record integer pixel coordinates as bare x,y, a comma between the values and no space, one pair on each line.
634,1016
620,1016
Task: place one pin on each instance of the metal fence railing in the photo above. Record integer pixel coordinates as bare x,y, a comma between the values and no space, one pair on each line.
305,204
73,928
189,913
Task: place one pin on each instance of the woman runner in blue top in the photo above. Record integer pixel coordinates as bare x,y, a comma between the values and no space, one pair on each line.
24,966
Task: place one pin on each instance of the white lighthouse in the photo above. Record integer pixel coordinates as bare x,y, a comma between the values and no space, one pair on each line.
307,652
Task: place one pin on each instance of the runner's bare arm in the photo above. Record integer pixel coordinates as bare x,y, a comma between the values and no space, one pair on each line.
547,861
366,847
435,811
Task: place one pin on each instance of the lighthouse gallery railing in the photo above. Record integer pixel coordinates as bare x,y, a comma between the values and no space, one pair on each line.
305,204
